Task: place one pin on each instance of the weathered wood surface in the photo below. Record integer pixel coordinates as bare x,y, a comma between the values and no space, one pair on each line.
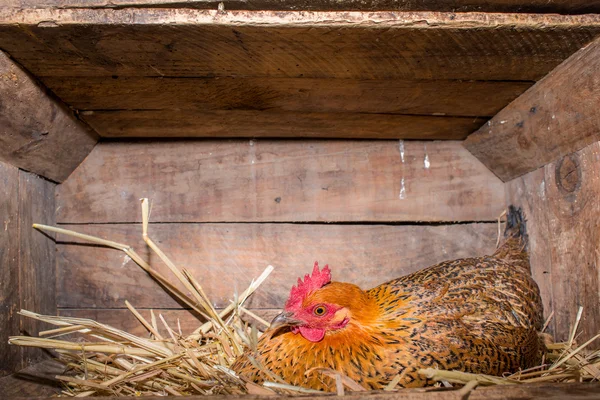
529,6
226,257
37,133
546,391
35,380
27,261
123,319
37,256
557,116
10,356
562,201
287,181
352,45
235,124
451,98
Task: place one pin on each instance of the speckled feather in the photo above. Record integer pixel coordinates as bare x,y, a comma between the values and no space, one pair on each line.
477,315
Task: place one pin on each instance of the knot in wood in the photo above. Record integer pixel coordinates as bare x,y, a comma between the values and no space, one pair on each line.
568,174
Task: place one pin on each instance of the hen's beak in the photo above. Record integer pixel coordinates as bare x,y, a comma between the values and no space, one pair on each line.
284,319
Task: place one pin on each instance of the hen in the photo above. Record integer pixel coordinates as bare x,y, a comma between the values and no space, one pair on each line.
477,315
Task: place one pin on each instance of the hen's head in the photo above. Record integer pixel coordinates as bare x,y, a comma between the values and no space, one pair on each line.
317,306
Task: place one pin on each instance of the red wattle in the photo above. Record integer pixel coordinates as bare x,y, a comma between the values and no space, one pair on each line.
312,334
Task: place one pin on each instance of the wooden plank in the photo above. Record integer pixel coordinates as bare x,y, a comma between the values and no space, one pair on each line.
173,124
451,98
555,117
268,180
226,257
10,356
352,45
37,133
35,380
123,319
546,391
37,256
529,6
566,210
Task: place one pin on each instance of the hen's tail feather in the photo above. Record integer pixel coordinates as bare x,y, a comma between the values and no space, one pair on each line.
514,245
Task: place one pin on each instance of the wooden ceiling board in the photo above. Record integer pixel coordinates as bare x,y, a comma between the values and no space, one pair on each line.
299,68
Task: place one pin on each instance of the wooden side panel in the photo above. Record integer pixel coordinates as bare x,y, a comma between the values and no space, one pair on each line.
10,356
38,255
564,202
175,123
557,116
226,257
451,98
37,133
288,181
346,45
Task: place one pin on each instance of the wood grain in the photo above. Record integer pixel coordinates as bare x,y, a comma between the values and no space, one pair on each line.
352,45
173,124
529,6
10,356
566,209
123,319
287,181
226,257
37,256
557,116
451,98
35,380
37,133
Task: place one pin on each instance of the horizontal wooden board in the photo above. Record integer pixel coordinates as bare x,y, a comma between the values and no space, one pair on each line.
562,203
355,45
37,132
123,319
451,98
224,258
269,180
236,124
530,6
557,116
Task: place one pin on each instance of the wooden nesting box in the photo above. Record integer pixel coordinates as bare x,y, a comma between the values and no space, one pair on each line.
379,137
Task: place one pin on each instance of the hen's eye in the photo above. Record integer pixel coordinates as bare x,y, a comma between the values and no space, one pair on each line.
320,310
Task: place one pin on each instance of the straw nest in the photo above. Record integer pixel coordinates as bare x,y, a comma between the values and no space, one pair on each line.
102,360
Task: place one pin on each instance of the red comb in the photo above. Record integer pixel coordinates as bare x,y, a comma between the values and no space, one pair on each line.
312,282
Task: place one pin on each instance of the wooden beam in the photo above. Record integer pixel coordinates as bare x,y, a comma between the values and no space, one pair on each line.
266,124
557,116
37,133
226,257
10,356
524,6
449,98
279,180
344,45
561,204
